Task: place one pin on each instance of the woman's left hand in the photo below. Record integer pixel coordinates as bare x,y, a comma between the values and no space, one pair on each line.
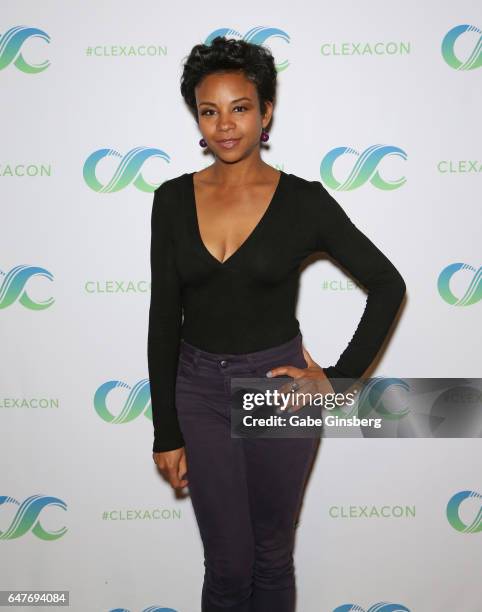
311,379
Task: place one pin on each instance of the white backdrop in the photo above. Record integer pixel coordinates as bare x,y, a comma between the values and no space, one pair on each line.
82,506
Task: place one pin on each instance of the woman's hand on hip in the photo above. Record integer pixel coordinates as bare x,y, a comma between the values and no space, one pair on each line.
311,379
173,466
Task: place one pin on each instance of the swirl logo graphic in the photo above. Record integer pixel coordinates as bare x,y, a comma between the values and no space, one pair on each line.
258,36
365,168
138,401
27,517
453,513
149,609
472,294
13,287
448,43
371,399
128,171
11,44
381,606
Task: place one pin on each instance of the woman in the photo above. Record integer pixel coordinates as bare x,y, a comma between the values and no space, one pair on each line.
226,246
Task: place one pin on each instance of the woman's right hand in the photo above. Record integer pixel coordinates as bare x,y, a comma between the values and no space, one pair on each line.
173,465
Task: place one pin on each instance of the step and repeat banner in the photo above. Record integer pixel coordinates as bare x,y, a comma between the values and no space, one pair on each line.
381,103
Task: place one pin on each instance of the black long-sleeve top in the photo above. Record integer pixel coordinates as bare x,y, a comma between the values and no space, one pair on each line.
247,303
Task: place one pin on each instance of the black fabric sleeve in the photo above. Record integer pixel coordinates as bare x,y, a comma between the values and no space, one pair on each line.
350,247
165,314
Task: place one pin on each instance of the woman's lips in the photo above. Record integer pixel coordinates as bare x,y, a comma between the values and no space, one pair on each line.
228,144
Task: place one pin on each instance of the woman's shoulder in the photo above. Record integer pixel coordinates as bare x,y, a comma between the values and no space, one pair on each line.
304,183
317,202
173,183
169,195
309,190
172,189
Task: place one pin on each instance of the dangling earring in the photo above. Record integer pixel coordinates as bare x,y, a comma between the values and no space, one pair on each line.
264,136
203,143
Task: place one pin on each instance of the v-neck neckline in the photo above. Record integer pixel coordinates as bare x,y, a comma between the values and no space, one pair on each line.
249,238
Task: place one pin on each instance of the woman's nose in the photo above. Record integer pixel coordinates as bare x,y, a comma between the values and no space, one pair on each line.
225,123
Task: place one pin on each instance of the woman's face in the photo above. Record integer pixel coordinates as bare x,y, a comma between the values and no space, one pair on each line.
228,109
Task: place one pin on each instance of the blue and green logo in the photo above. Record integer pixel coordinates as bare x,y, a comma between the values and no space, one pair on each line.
128,170
11,44
453,512
373,398
27,517
474,60
13,287
138,401
472,294
364,170
381,606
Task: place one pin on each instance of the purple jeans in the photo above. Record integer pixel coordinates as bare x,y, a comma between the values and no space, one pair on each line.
246,492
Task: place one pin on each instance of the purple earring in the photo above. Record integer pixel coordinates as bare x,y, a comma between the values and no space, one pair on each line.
203,143
264,136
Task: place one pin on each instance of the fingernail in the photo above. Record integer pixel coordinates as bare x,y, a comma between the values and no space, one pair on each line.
268,374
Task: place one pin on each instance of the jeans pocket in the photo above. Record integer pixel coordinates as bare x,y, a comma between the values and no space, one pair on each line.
295,359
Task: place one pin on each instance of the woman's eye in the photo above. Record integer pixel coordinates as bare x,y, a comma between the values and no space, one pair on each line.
210,110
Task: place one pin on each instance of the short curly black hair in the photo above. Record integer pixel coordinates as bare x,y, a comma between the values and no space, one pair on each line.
226,55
